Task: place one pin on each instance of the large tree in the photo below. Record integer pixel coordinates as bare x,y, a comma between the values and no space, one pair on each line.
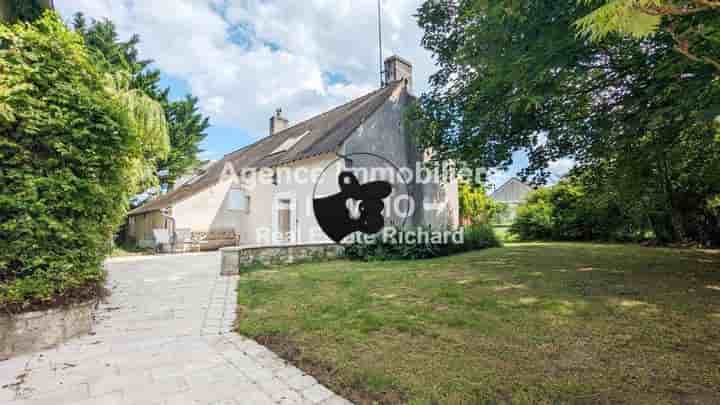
114,55
516,76
187,126
22,10
187,129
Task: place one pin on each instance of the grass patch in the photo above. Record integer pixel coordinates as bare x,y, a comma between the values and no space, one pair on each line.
547,323
130,249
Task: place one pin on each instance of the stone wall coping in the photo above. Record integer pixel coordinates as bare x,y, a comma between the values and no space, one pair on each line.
293,245
50,311
235,258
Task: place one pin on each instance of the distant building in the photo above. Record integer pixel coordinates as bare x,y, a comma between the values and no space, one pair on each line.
513,193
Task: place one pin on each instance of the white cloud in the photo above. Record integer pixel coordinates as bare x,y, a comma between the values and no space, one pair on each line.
561,167
283,60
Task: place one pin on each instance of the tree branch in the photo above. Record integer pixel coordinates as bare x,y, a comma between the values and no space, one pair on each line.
683,47
709,3
676,11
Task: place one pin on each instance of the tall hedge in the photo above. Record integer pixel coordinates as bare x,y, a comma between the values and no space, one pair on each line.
65,150
566,211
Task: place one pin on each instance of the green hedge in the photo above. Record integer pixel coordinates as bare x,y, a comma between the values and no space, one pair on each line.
396,247
567,212
65,152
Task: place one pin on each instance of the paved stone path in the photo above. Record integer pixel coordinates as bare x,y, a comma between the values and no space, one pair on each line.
163,337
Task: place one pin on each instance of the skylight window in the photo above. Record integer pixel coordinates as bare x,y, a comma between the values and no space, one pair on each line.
289,143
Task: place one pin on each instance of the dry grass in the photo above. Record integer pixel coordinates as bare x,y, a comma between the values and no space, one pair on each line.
525,324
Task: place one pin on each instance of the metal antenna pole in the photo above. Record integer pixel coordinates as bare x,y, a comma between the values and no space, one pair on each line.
382,79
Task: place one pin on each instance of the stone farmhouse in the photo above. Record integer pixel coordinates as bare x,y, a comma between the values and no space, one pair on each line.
225,204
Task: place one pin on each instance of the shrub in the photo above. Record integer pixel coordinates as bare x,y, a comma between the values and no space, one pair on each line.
480,236
567,212
66,151
476,207
534,218
396,247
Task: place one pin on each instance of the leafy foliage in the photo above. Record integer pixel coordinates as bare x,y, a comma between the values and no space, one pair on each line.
147,120
186,125
187,130
400,247
631,17
67,149
693,23
25,10
113,55
635,114
567,212
476,207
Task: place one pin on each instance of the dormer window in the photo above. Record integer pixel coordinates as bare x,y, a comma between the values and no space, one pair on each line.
289,143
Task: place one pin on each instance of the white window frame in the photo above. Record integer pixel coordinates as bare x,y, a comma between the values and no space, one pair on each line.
245,196
276,220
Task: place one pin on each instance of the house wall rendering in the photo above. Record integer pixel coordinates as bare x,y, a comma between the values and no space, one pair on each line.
261,224
206,211
384,134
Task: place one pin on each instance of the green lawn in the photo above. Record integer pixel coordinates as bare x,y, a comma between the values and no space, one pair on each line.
528,323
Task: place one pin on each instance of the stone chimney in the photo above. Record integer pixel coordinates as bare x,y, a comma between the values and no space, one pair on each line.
278,122
397,68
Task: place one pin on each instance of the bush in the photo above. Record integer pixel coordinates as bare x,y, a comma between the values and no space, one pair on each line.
66,150
477,207
534,219
566,212
396,247
480,236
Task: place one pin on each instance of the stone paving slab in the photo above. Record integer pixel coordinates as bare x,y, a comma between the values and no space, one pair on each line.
163,337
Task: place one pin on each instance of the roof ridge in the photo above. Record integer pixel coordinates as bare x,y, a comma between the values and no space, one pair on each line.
367,97
361,98
332,110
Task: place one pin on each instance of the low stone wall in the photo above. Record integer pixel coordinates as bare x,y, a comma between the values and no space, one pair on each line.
34,331
234,259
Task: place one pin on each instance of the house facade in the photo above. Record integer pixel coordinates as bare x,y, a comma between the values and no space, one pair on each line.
512,193
263,193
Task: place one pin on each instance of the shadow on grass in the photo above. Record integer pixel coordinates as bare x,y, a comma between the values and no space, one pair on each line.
530,323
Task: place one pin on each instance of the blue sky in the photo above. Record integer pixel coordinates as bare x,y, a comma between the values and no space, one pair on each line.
245,58
221,139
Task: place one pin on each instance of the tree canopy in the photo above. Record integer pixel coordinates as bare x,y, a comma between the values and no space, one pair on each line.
186,125
516,76
25,10
693,24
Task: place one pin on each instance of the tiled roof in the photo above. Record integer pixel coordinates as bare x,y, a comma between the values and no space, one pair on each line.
324,133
